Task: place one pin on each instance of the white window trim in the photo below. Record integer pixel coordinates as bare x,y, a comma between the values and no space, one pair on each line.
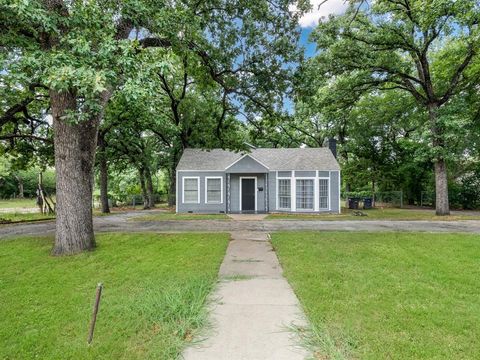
221,189
315,193
339,186
176,191
329,198
240,192
198,189
278,193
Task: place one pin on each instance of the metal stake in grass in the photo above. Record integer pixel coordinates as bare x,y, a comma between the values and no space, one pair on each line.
95,312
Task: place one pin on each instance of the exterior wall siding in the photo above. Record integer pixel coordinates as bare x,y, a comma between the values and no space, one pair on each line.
247,165
272,185
235,191
335,191
305,173
202,207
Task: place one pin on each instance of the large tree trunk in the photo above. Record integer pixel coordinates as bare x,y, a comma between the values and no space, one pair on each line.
103,176
172,188
20,186
441,188
141,173
75,145
442,206
150,194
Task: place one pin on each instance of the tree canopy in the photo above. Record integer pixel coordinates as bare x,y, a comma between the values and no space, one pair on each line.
429,51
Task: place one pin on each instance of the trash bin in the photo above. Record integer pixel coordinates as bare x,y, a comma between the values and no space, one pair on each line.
367,203
353,203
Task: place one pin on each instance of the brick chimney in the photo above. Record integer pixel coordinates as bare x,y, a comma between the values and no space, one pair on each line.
331,143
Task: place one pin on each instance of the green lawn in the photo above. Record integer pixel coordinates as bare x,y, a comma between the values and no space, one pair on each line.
164,215
18,216
15,217
375,214
387,295
18,203
6,218
155,289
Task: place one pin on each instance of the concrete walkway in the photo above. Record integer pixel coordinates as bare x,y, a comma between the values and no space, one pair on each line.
252,307
247,217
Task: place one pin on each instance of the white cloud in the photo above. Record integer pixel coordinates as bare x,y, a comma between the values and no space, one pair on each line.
326,8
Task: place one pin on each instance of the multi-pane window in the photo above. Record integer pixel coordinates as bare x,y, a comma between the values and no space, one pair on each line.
284,199
323,193
190,190
305,194
214,190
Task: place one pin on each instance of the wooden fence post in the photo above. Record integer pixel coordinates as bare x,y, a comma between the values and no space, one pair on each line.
95,312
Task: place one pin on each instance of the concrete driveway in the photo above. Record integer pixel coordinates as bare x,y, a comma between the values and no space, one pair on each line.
120,223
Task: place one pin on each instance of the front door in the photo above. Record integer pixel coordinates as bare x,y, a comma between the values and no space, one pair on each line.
248,194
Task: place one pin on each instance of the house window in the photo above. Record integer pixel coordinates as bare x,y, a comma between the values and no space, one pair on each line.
305,191
284,199
213,190
323,193
191,190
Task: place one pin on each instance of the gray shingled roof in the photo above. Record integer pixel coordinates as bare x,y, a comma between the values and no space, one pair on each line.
274,159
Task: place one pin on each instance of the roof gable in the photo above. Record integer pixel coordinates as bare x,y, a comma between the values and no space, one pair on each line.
247,164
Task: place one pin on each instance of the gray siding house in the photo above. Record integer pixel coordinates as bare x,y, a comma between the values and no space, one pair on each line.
263,180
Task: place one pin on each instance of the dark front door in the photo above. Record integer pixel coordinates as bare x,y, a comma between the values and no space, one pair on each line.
248,194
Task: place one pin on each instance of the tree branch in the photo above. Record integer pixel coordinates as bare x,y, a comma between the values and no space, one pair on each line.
457,75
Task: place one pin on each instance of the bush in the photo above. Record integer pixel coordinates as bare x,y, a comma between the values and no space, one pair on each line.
465,193
9,182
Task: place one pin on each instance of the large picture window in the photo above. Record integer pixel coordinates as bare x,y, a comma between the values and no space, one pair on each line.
323,193
305,194
213,190
284,195
191,190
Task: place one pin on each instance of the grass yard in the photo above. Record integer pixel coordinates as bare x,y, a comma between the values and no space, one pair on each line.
18,203
6,218
376,214
387,295
164,215
155,289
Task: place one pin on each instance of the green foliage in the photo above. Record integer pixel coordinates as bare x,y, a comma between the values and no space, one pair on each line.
465,192
179,74
397,84
10,177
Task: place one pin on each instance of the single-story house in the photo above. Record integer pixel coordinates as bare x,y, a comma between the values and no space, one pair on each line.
260,181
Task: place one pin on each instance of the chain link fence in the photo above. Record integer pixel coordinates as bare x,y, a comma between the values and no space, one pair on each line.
133,200
427,199
379,198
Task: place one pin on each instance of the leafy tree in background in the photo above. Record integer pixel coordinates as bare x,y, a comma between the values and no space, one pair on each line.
80,53
14,180
173,110
428,50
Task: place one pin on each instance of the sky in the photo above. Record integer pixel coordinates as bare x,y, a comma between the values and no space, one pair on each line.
311,19
308,23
